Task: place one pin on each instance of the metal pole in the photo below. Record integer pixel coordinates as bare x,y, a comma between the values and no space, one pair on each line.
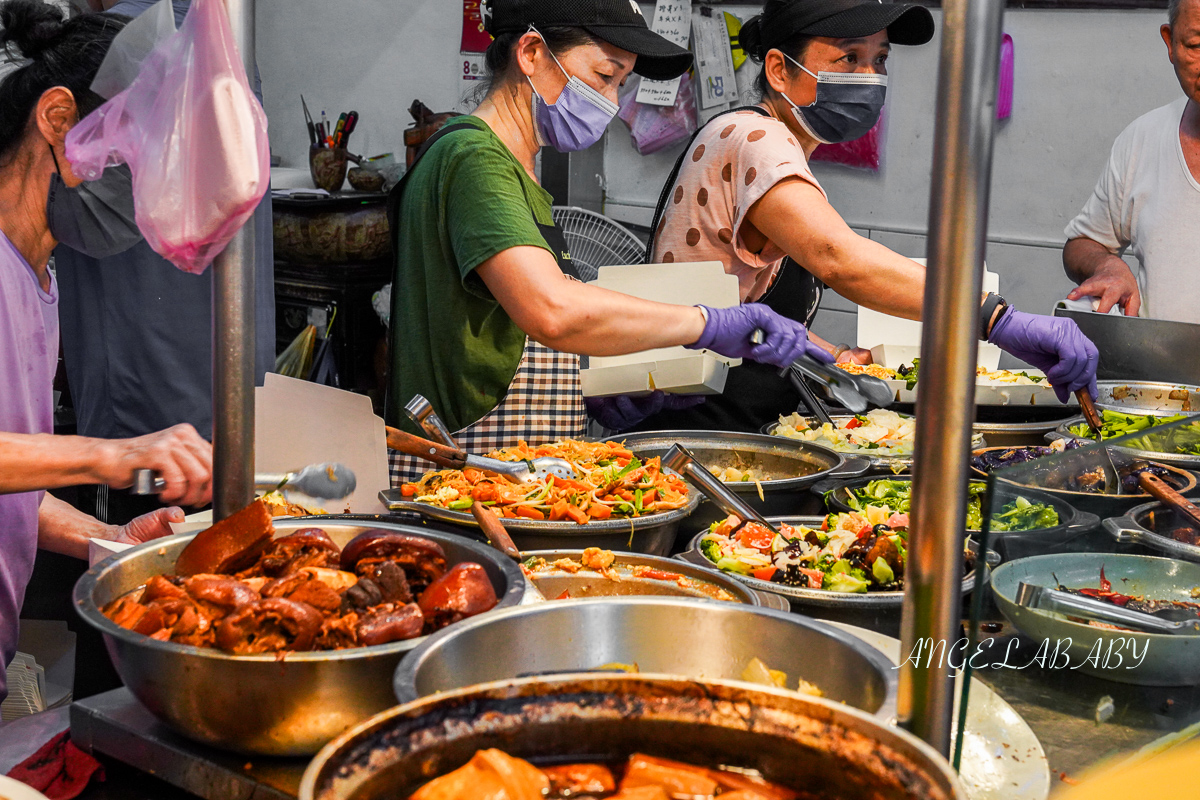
958,205
233,336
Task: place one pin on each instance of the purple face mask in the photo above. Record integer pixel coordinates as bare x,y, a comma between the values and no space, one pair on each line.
577,120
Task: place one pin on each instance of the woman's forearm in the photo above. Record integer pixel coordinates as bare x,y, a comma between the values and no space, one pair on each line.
574,317
30,462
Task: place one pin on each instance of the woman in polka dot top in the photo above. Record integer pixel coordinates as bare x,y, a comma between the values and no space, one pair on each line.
744,195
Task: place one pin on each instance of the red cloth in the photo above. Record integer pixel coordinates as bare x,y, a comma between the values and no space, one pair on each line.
59,769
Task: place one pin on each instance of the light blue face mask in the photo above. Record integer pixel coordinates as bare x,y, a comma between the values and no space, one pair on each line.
575,121
847,105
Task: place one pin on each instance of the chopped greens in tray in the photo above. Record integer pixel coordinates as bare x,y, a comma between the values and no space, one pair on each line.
1184,440
896,495
851,553
881,431
983,375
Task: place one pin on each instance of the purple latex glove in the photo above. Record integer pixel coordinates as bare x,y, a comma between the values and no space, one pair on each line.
729,330
1054,345
621,412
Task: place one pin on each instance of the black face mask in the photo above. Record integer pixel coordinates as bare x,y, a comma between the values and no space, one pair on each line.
96,217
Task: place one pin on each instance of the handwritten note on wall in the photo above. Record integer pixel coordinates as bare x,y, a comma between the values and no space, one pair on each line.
673,20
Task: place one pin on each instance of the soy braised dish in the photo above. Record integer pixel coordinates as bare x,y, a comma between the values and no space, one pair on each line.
492,773
238,589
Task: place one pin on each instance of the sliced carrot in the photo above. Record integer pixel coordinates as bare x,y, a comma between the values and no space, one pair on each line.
599,511
649,495
529,512
578,514
408,490
559,510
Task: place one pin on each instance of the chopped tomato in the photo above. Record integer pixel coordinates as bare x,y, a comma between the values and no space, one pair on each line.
815,577
408,490
825,524
864,531
529,512
566,595
764,574
599,511
897,521
854,423
558,510
756,536
576,513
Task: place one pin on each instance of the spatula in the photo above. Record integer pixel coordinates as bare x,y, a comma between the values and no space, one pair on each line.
455,458
1167,620
682,461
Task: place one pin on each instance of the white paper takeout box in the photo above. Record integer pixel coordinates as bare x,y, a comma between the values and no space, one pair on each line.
676,370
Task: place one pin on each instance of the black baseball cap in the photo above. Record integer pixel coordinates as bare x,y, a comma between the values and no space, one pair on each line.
618,22
843,19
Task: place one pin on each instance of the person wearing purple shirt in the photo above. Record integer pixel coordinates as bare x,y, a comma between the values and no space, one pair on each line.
39,197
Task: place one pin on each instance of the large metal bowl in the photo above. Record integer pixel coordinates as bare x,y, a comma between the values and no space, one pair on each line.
1165,659
804,462
1141,525
653,533
824,748
588,583
1148,397
264,704
1181,460
813,599
660,635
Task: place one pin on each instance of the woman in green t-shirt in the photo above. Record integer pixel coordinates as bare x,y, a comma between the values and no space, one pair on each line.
486,320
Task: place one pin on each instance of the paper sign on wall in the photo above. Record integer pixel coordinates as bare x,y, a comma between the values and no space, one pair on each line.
672,20
474,38
714,60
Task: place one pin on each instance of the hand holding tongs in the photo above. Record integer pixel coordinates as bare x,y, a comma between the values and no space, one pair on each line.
1168,620
682,461
324,481
854,392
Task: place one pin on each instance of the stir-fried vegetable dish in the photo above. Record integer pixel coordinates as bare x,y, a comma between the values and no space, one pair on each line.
610,482
896,495
909,374
495,774
849,553
879,431
1184,440
604,564
874,370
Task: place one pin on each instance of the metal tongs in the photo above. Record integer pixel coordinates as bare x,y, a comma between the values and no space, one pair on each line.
1168,620
456,458
855,392
682,461
421,412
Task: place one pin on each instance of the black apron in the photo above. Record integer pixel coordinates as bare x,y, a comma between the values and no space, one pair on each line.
754,393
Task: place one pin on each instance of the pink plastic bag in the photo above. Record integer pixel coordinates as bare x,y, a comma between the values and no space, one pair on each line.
193,135
656,127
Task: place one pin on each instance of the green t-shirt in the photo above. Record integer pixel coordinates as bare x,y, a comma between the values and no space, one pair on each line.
467,200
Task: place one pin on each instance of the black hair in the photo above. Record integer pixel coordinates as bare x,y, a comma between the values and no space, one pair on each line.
751,40
61,52
498,59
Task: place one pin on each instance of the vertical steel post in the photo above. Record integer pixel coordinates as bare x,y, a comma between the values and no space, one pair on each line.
958,206
233,335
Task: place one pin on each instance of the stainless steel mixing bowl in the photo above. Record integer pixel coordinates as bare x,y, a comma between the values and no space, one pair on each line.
824,748
281,705
670,636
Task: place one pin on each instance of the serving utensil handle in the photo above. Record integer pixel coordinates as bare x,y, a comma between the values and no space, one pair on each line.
494,530
1166,494
421,412
1090,414
679,459
440,454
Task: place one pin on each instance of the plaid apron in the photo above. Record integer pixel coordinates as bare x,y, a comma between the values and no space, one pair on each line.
544,403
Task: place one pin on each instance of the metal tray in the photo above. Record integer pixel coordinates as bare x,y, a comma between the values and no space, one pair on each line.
879,463
1135,528
1147,397
1181,460
1170,660
818,598
653,533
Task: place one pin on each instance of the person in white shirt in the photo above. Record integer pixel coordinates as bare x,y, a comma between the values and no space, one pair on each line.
1148,200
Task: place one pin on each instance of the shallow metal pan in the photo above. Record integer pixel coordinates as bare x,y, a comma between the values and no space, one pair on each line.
1140,526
